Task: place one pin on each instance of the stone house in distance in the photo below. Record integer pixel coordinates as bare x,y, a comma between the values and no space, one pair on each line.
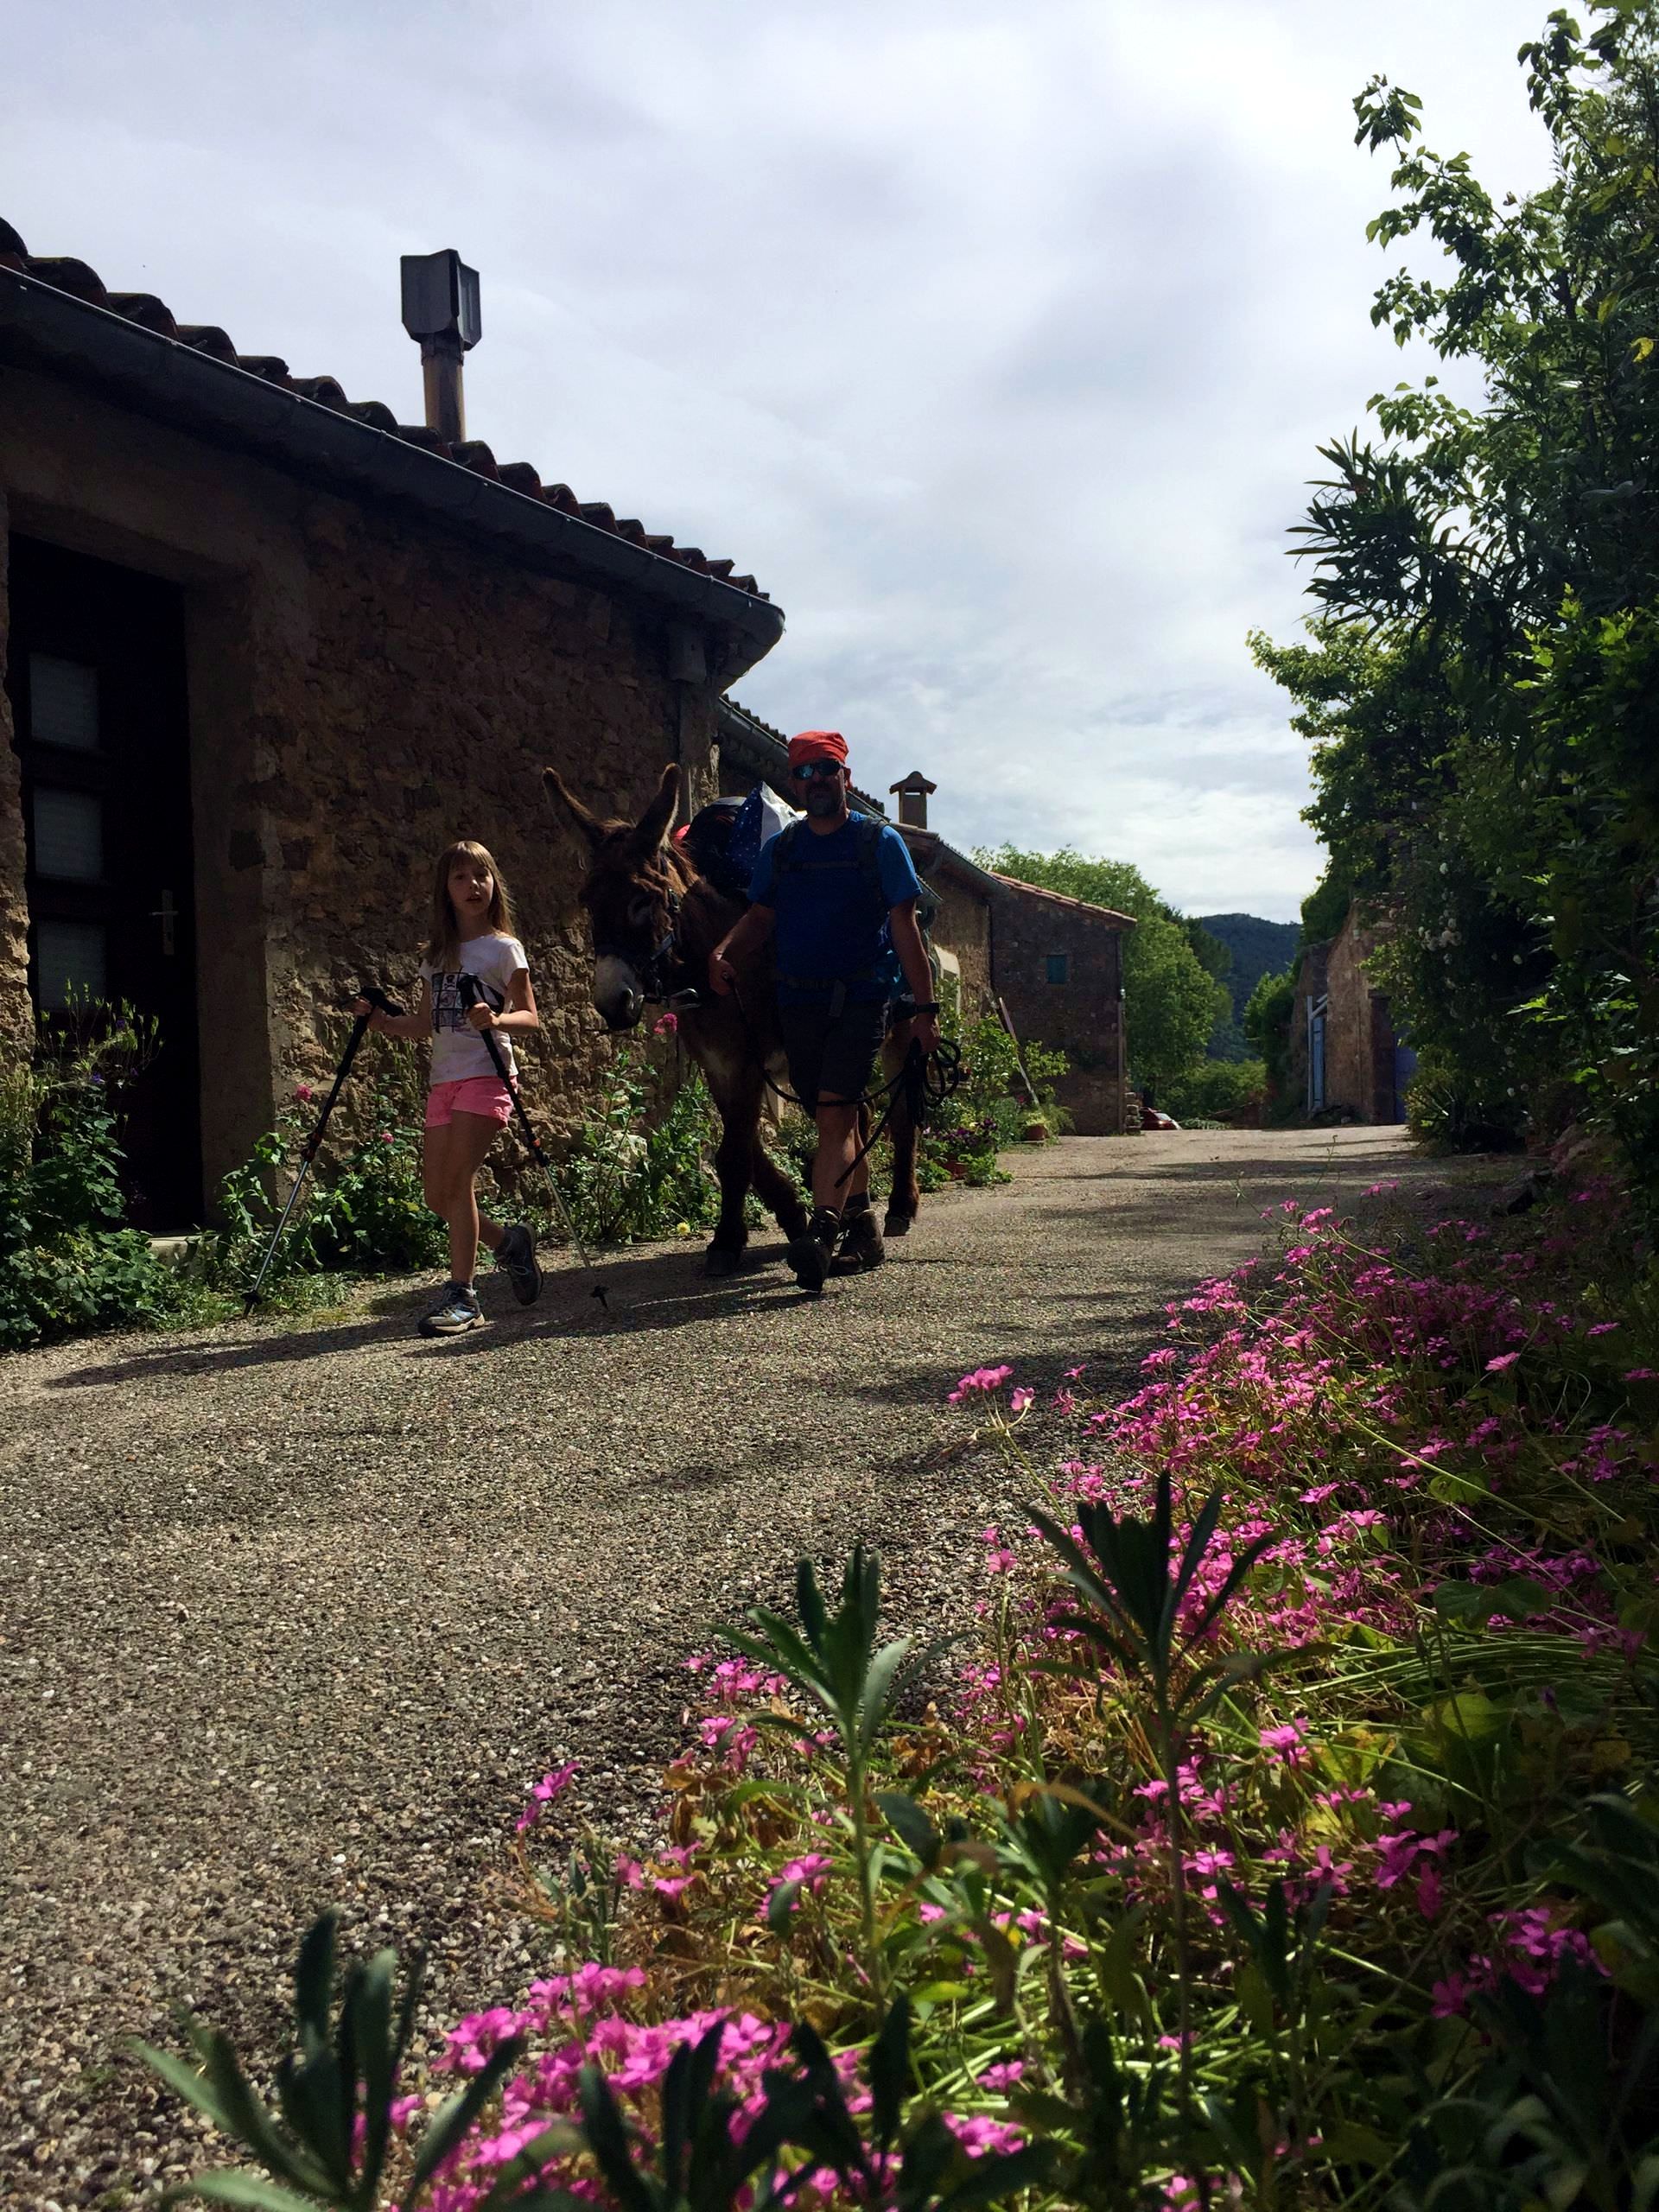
1344,1060
1055,964
267,650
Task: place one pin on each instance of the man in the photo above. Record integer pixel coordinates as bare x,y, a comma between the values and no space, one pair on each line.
839,892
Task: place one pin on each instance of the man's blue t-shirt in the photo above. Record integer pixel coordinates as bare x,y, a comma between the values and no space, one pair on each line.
829,929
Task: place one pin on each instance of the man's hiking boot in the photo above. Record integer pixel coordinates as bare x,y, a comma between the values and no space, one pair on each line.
861,1246
517,1254
456,1312
808,1254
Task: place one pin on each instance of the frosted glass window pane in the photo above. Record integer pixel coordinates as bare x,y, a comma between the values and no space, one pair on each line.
69,963
63,703
68,835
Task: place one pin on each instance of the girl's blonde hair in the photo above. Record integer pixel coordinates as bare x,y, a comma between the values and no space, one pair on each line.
443,946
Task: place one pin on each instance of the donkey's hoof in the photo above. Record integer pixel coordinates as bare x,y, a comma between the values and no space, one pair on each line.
718,1260
897,1224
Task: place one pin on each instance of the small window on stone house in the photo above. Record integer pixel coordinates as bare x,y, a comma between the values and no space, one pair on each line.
1056,966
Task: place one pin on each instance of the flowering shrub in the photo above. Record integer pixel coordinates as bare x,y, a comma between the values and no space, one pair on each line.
1288,1839
363,1210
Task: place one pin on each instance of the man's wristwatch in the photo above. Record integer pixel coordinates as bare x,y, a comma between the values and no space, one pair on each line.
929,1005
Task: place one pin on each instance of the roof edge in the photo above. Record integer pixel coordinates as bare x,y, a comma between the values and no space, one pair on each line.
169,381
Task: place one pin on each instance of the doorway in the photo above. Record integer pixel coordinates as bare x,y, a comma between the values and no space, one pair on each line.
96,674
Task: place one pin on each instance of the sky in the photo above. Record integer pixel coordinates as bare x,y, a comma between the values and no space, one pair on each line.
997,342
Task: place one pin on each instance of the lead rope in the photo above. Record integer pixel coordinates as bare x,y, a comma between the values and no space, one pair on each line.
926,1080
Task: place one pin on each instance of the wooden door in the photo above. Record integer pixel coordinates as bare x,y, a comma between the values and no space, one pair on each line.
95,668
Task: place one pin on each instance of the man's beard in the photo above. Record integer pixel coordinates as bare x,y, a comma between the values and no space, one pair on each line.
824,799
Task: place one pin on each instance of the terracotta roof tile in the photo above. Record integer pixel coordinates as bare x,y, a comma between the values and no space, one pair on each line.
145,308
1063,899
83,282
207,338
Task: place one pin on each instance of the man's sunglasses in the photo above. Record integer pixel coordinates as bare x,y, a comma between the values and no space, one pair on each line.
811,771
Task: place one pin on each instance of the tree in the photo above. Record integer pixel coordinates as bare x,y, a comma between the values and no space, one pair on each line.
1480,685
1173,1003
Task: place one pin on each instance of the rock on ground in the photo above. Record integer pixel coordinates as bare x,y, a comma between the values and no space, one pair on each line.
294,1615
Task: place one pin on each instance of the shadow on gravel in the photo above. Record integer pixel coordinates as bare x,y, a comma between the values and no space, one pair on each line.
665,1291
193,1357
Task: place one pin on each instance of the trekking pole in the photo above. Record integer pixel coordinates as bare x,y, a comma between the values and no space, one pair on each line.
378,1003
468,990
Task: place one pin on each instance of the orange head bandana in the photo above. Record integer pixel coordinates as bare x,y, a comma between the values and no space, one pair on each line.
817,744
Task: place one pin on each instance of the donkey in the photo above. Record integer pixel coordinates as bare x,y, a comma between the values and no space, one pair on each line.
655,921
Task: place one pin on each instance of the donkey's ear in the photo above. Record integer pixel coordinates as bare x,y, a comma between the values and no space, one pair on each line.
589,824
652,826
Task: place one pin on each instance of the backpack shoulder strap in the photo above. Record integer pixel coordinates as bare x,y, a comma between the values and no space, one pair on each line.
787,853
869,859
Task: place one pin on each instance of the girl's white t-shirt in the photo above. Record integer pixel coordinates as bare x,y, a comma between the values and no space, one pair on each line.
458,1051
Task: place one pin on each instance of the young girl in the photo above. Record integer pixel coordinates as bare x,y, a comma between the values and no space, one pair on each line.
467,1103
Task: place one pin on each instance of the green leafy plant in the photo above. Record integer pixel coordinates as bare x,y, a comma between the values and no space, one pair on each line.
1133,1593
328,2142
831,1660
641,1166
69,1262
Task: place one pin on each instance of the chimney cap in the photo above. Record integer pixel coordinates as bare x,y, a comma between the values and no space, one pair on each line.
441,297
915,781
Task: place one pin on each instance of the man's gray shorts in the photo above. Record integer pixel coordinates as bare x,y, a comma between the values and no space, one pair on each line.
834,1054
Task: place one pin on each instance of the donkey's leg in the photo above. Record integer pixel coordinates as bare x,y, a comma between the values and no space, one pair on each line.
778,1193
739,1105
904,1199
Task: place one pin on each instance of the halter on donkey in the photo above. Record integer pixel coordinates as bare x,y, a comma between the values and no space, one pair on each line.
655,921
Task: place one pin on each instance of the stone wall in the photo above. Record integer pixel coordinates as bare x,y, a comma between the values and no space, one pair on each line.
364,687
1359,1031
14,915
1359,1037
963,927
1083,1017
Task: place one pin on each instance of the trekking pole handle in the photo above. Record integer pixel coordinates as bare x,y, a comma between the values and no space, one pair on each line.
377,999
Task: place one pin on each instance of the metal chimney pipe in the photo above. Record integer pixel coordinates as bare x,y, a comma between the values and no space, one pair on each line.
440,310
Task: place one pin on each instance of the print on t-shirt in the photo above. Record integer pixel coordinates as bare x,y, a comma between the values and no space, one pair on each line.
458,1051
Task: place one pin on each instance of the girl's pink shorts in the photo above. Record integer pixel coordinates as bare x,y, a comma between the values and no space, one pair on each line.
475,1094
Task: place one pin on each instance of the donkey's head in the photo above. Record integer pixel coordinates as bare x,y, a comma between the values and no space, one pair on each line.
631,894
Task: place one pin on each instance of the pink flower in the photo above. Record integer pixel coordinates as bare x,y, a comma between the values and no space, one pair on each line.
1019,1400
809,1871
1429,1892
1640,1373
1503,1359
386,1136
303,1094
549,1787
1288,1742
666,1027
1003,2076
1601,1329
983,1379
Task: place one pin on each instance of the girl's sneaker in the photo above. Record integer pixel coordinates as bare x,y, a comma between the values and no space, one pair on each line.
517,1254
456,1312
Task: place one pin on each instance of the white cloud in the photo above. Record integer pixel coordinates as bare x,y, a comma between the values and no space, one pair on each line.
997,343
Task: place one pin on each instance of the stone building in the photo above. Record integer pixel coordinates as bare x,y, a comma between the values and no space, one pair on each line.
1345,1061
1058,965
267,650
1054,963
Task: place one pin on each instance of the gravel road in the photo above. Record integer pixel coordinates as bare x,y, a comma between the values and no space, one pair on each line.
294,1615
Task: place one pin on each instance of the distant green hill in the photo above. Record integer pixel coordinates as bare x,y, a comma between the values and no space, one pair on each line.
1259,948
